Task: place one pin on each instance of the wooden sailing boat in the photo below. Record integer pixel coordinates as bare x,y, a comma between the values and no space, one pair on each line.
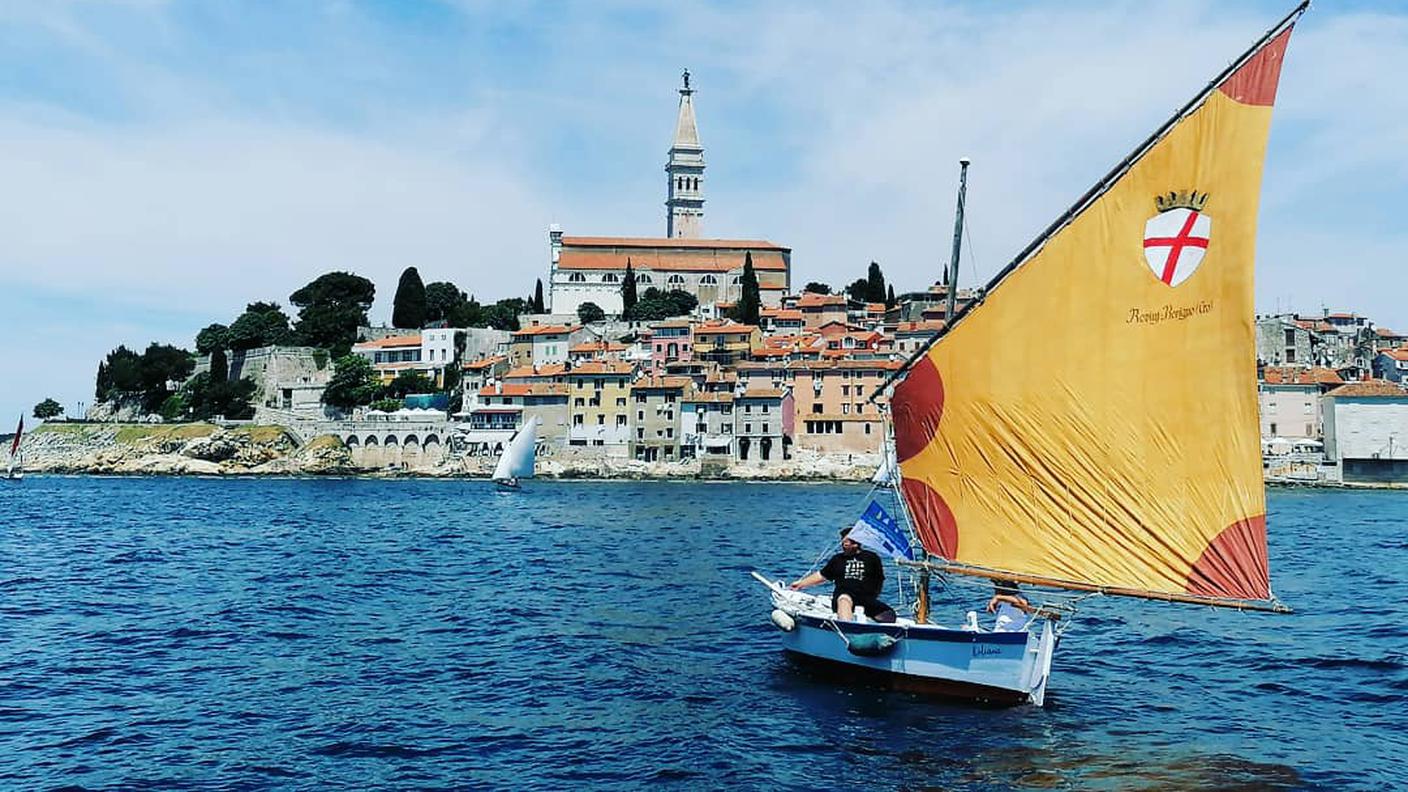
1125,458
517,460
14,471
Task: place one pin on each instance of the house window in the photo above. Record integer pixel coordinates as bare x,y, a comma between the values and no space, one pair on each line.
577,420
621,401
816,409
845,409
601,420
748,428
578,402
669,431
1273,428
620,420
867,427
640,434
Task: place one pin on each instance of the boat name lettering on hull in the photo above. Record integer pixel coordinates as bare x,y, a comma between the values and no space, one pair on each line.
1167,313
986,650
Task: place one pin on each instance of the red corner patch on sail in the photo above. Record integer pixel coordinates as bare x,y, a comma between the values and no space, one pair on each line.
916,408
933,519
1234,564
1255,83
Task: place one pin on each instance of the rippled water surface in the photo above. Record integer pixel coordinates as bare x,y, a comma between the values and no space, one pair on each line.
255,633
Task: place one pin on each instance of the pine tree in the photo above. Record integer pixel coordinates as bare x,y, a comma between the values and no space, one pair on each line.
750,302
409,308
628,291
875,280
538,306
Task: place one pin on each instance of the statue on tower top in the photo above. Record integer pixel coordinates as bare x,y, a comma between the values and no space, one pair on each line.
686,89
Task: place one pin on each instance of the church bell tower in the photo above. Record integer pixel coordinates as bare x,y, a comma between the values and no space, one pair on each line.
684,203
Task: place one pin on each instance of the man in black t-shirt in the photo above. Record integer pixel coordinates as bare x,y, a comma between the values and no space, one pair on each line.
859,576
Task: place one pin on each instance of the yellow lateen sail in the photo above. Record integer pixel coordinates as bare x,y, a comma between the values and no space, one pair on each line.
1093,421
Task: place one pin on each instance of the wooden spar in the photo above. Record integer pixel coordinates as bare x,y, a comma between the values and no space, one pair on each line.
1275,606
951,278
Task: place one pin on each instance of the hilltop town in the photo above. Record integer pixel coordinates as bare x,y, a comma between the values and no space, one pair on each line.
673,355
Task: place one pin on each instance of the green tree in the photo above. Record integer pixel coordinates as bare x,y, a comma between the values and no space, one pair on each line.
121,372
213,337
219,366
683,301
203,398
442,299
629,298
262,324
331,308
817,288
408,308
387,405
161,365
47,409
589,312
467,314
875,284
859,290
538,306
750,302
655,305
353,383
890,301
406,383
503,315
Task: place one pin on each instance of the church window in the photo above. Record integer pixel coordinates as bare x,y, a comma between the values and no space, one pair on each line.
737,279
676,280
643,277
576,277
610,277
694,184
708,280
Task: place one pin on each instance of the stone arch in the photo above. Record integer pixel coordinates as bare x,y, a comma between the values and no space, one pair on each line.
411,450
391,440
370,441
351,441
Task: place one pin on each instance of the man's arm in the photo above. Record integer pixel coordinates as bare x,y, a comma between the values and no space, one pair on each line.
810,580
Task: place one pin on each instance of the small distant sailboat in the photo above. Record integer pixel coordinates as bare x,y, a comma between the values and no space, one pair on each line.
517,460
14,471
1087,427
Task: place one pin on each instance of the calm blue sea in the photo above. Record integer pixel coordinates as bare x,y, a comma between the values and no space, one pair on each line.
189,633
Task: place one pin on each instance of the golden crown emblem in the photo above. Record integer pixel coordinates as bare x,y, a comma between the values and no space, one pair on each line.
1181,199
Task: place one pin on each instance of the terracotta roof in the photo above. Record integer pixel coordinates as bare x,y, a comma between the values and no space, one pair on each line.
875,307
814,300
813,365
534,330
1375,387
671,323
475,365
648,383
716,397
545,370
1401,353
1384,332
1293,375
593,367
762,393
925,327
524,389
782,313
724,328
388,342
597,346
670,242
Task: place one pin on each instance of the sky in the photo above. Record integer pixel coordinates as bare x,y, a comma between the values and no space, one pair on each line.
165,162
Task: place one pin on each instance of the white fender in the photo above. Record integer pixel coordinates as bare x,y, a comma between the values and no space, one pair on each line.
783,621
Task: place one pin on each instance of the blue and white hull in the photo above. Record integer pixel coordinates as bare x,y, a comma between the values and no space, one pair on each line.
976,665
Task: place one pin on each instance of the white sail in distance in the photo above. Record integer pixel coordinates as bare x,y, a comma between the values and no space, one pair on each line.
517,460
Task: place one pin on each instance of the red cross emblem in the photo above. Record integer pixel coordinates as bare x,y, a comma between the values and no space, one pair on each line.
1174,243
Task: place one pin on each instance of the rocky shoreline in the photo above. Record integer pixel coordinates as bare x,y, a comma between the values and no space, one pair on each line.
203,449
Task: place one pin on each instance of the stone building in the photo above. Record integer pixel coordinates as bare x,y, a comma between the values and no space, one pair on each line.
1289,399
706,425
599,394
658,404
591,269
1366,431
762,425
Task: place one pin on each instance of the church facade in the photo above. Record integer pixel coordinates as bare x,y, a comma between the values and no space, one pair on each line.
591,269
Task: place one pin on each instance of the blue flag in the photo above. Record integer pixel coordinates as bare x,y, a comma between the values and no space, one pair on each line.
878,531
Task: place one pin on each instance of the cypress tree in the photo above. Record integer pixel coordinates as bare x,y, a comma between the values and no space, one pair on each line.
219,365
409,308
538,297
875,281
890,297
750,302
628,290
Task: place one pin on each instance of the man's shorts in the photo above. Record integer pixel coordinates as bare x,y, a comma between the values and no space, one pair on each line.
873,605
